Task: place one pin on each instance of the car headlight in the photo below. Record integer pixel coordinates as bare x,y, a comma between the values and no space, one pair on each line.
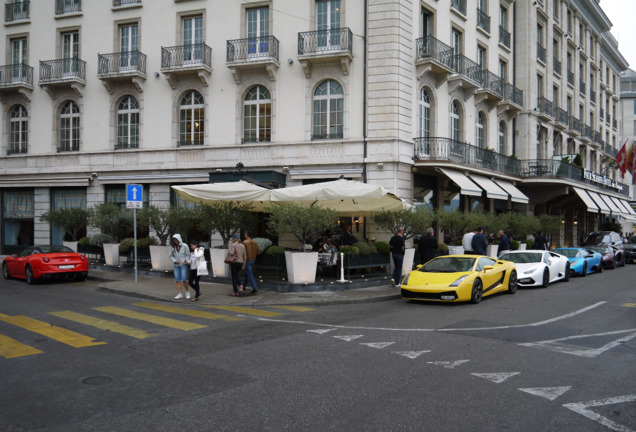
458,281
405,281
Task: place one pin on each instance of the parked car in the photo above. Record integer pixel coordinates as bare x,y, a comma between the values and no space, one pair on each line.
582,261
630,249
538,267
612,257
48,262
609,238
456,278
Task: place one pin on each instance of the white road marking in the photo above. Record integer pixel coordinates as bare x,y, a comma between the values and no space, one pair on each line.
411,354
554,344
348,338
448,364
497,378
582,408
378,345
321,331
550,393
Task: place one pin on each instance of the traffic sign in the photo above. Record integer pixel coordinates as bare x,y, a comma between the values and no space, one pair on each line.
134,196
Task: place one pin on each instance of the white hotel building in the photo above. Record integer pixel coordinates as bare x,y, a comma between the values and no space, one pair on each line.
468,104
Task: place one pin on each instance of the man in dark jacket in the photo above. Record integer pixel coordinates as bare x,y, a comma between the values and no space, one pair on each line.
397,251
504,243
427,245
540,242
479,242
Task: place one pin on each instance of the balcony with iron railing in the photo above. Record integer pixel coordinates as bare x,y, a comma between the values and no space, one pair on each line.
491,85
592,96
545,108
602,112
434,54
67,72
16,77
607,117
588,132
469,71
252,53
17,11
512,95
614,123
119,3
561,116
483,20
575,125
325,46
556,67
127,144
459,6
541,53
504,37
122,66
68,7
18,148
597,139
186,60
570,78
582,87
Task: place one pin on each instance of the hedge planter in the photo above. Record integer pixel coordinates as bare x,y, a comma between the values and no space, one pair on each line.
160,258
301,266
111,253
374,260
219,268
270,262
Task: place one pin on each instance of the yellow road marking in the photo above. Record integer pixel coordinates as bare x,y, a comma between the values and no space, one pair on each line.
251,311
189,312
59,334
629,304
166,322
295,308
104,324
10,348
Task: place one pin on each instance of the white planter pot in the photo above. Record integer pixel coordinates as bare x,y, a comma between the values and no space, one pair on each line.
492,251
111,253
301,266
72,245
456,250
407,264
523,246
160,258
219,268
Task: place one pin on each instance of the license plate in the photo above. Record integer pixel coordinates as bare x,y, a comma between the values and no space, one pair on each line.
64,267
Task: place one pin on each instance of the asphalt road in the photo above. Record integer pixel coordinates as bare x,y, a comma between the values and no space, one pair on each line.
557,359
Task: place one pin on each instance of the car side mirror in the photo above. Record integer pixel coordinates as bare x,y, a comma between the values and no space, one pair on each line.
486,268
418,266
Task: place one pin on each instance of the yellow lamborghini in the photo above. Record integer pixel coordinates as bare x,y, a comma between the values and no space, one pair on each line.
456,278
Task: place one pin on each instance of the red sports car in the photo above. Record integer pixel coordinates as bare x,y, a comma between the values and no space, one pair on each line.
50,262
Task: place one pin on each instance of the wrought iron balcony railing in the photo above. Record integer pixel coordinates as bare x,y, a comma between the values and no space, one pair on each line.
337,135
240,50
607,117
561,116
541,53
556,66
582,87
68,147
16,74
466,67
440,148
186,55
483,20
325,41
602,114
17,148
504,37
597,139
125,2
592,96
588,132
575,124
62,70
429,47
459,6
614,124
121,63
67,6
188,143
571,78
126,145
545,106
491,82
18,10
513,94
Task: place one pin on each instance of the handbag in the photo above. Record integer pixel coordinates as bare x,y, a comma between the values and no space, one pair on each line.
230,258
202,268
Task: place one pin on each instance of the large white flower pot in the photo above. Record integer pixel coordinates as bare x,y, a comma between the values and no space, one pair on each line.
523,246
219,268
160,258
407,264
111,253
456,250
301,266
492,250
72,245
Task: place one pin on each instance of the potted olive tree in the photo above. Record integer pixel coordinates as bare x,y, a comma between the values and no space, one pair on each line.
164,222
72,220
303,223
115,221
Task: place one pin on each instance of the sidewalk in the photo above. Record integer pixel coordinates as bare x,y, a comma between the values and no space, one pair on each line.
164,289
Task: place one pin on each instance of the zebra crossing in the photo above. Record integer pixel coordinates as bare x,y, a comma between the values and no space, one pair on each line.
118,320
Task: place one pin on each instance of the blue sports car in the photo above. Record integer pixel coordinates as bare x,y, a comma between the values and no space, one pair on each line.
582,261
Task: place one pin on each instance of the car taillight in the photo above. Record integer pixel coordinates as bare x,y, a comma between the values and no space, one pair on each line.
82,257
46,259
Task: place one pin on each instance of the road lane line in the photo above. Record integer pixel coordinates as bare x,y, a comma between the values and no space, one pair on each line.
188,312
582,408
59,334
250,311
104,324
155,319
554,344
295,308
11,348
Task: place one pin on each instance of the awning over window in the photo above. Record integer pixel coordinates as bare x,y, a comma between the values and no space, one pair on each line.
466,186
623,211
491,188
589,202
628,207
599,202
515,194
611,204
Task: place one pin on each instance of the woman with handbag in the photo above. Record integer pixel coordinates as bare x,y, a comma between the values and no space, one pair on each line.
198,267
180,255
236,258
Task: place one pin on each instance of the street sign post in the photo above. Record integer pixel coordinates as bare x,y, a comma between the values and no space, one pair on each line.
134,200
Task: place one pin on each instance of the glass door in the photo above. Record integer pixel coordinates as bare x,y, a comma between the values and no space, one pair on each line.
70,53
193,40
328,24
18,59
128,46
258,32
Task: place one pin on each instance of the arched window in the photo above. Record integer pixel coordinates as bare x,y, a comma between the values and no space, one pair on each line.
191,119
481,130
128,123
501,138
328,111
257,115
425,114
455,121
69,127
19,130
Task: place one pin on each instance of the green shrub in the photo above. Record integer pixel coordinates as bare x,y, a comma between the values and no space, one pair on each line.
383,247
530,243
128,244
443,248
275,250
84,241
350,250
363,247
263,243
515,244
100,239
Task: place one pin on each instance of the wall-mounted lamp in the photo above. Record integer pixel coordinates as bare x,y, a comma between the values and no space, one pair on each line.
356,220
290,60
576,220
562,220
156,74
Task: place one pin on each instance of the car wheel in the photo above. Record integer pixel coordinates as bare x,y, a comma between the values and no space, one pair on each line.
568,272
614,263
5,271
512,282
600,268
546,278
477,292
30,279
584,269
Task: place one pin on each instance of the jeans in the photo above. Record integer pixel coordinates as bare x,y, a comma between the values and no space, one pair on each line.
194,281
398,259
249,275
235,269
181,272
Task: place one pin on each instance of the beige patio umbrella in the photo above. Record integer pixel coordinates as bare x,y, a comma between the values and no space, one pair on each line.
240,191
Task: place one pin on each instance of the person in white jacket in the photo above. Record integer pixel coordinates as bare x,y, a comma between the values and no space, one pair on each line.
197,267
180,257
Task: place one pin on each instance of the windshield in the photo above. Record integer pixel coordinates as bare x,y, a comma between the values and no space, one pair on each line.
597,238
570,253
448,265
522,258
600,249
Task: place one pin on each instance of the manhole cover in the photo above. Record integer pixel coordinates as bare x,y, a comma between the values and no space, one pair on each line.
97,380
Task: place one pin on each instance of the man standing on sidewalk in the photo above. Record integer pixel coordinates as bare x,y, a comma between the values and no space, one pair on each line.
251,249
397,250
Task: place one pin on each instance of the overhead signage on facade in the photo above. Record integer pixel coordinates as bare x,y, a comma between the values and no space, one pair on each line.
601,179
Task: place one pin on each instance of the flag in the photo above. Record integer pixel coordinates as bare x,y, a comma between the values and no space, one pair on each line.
621,159
631,161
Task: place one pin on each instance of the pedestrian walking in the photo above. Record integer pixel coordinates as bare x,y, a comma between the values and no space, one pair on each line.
504,243
238,251
397,251
467,242
198,267
180,256
427,245
251,251
479,242
540,242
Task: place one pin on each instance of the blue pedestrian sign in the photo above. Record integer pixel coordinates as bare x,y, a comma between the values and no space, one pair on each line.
134,196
